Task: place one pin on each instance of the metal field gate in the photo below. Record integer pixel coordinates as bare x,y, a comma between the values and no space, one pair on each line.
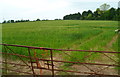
28,60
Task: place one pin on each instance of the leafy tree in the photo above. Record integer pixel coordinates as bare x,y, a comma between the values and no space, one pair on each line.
8,21
112,13
104,7
57,19
27,20
105,16
11,21
87,15
118,14
96,15
75,16
90,15
90,12
4,21
38,20
84,15
104,12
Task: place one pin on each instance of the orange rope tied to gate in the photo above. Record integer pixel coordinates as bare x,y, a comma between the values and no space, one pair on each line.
37,62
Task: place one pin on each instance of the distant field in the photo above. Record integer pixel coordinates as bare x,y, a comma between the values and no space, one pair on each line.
60,34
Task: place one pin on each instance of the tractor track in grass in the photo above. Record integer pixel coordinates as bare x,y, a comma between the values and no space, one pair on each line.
85,41
83,67
103,58
105,69
109,45
57,57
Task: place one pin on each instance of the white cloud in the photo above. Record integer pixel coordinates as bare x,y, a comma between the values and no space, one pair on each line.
27,8
34,4
46,6
92,0
18,9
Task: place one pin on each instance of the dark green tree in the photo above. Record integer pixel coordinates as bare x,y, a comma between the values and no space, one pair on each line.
90,15
75,16
4,21
84,15
11,21
112,13
38,19
118,14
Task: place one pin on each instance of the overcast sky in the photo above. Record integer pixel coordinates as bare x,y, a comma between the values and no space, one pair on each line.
47,9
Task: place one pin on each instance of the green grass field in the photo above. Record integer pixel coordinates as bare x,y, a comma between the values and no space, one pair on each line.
64,34
60,34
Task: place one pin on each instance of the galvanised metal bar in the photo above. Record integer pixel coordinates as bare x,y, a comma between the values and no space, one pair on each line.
42,48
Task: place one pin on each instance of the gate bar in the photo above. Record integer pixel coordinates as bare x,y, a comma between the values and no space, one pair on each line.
52,63
42,48
63,61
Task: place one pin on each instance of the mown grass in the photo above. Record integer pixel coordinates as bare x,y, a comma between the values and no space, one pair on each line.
64,34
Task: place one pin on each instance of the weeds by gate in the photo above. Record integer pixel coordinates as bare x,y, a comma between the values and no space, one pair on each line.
41,61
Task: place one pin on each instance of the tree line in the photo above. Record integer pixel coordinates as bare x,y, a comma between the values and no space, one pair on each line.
16,21
102,13
13,21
